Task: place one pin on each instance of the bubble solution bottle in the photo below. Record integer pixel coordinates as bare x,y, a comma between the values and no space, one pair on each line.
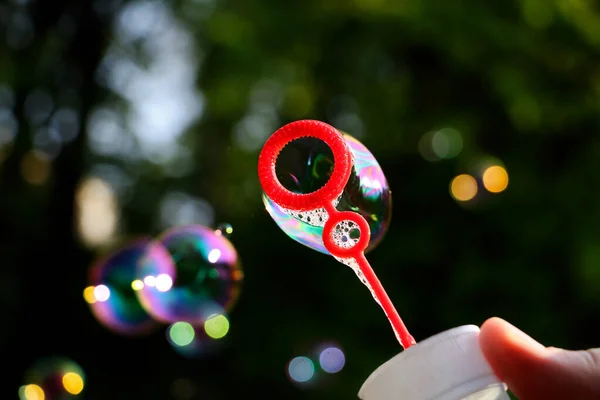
446,366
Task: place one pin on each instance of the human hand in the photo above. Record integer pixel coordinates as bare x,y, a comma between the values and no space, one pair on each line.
535,372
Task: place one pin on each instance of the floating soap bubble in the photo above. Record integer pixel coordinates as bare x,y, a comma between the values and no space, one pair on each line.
54,378
206,278
198,341
114,284
305,165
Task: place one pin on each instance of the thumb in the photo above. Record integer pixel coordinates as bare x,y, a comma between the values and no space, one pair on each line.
533,371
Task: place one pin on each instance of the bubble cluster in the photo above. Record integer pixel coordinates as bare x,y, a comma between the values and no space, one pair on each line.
206,277
188,278
346,234
305,165
112,293
53,378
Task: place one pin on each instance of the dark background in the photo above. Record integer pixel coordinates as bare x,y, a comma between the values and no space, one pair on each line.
189,90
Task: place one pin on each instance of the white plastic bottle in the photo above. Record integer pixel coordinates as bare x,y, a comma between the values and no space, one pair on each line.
447,366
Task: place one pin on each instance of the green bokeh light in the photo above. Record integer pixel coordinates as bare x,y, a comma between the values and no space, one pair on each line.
181,333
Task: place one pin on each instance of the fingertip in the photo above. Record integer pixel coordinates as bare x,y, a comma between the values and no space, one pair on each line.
493,341
497,333
514,356
492,328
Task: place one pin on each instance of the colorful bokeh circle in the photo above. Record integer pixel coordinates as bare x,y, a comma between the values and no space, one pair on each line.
53,378
192,341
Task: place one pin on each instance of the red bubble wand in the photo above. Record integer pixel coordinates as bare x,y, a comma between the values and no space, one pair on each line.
319,208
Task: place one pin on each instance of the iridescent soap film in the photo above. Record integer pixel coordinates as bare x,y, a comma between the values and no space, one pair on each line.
206,279
304,165
55,378
114,283
367,191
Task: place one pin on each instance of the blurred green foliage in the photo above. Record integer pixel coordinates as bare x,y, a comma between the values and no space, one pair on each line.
520,80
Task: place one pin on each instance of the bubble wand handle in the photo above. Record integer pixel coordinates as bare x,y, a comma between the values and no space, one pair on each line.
404,337
356,252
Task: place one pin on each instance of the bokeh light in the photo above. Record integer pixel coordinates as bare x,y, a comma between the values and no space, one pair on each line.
111,293
224,229
31,392
38,106
192,341
178,209
97,212
216,326
163,283
301,369
137,284
88,294
35,167
463,187
101,293
306,166
495,179
53,378
444,143
8,126
332,359
181,333
206,278
72,382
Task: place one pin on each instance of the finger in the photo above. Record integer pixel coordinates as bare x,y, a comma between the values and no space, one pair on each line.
533,371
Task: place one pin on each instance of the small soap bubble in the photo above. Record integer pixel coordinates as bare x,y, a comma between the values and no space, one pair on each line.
309,166
205,276
224,229
114,284
53,378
